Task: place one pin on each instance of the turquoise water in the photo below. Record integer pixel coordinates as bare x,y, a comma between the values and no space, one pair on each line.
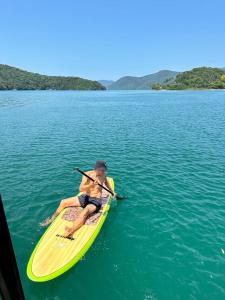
165,150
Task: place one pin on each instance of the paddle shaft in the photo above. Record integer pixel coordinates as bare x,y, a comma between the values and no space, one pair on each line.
102,186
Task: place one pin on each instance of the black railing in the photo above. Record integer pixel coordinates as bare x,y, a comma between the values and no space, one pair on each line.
10,283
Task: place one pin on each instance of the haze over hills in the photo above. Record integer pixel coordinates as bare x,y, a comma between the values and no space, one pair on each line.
144,82
14,78
105,83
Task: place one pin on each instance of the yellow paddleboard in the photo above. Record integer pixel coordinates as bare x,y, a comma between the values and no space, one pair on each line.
54,254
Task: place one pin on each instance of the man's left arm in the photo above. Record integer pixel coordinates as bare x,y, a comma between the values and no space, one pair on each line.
108,186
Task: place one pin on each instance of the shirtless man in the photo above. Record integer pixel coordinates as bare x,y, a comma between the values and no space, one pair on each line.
90,199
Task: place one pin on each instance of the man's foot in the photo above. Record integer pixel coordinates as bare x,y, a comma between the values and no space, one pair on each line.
68,231
46,222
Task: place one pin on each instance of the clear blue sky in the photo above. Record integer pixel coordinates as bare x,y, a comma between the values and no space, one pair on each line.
106,39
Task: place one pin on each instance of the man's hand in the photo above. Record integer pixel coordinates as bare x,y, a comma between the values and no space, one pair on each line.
114,195
96,182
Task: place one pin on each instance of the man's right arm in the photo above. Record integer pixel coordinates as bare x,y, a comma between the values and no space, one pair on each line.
85,185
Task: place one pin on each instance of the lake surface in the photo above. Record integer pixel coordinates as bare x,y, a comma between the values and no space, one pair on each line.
166,152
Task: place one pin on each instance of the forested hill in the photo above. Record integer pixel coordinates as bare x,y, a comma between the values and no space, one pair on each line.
14,78
143,82
197,78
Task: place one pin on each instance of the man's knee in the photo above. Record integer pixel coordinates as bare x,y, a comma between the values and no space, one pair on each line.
86,211
90,208
63,203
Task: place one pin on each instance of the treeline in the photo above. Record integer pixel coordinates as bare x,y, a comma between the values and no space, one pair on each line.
197,78
14,78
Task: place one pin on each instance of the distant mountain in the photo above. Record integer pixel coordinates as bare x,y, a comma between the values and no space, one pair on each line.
105,83
14,78
197,78
144,82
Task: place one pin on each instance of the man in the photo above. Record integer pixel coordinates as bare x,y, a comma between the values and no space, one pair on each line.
90,199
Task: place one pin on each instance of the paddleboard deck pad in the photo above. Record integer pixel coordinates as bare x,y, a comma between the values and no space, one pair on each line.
55,254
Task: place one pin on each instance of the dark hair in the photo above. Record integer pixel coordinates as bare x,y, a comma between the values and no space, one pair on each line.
100,164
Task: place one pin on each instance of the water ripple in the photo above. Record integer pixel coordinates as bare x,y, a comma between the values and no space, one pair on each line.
164,150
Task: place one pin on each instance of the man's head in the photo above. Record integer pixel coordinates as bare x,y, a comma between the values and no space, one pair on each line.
100,167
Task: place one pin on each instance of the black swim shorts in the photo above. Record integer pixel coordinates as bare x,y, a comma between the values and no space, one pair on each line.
85,200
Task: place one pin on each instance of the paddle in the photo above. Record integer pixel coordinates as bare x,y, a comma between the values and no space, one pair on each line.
102,186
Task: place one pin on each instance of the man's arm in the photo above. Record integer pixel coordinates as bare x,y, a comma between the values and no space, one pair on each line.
108,186
85,184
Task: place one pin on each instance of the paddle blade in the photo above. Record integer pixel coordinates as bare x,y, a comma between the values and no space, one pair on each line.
118,197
